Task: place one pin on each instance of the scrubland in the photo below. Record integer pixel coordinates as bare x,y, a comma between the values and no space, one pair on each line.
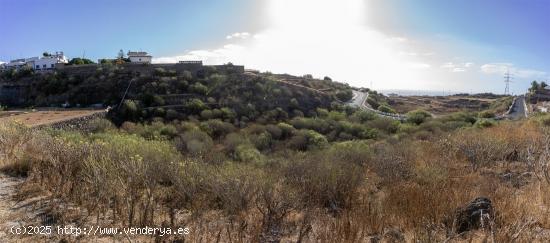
241,158
405,187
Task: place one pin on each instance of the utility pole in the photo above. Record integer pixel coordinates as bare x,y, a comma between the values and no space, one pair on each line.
507,81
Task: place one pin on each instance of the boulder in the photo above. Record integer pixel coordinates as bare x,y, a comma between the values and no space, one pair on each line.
476,214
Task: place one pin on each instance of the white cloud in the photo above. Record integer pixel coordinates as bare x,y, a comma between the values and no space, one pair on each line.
457,67
302,39
502,68
238,35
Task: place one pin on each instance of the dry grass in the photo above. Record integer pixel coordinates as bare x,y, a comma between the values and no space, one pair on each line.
351,192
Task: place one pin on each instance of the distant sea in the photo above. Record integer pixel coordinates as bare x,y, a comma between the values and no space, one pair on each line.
417,92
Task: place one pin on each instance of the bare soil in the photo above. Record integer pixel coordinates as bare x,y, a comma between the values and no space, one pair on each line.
440,105
44,117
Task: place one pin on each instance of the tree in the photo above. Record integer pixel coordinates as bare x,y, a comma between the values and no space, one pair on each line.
344,95
120,54
534,86
46,54
327,78
80,61
105,61
543,85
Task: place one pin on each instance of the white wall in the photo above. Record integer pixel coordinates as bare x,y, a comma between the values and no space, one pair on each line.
48,62
140,59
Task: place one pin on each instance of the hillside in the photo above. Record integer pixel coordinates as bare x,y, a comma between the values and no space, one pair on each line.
267,158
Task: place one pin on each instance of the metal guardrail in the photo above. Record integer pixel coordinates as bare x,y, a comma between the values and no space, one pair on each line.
381,113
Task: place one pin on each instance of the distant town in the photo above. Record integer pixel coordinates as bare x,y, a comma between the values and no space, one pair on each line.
139,60
58,60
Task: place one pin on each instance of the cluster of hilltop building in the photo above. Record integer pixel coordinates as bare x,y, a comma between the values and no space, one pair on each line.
52,61
138,60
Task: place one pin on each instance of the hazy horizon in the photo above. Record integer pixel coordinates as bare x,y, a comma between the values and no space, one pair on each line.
395,44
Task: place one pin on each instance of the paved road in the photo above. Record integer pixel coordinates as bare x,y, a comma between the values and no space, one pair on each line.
358,98
518,109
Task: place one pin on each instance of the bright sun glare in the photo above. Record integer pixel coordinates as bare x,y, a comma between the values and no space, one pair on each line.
316,13
322,37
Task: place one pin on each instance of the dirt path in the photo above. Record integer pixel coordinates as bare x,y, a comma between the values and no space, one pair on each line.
37,118
8,217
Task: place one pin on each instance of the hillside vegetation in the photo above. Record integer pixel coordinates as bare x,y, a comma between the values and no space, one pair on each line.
245,158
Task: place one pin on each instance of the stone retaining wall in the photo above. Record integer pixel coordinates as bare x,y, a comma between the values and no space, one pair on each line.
79,123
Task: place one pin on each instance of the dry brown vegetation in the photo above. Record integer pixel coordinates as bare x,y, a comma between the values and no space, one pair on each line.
441,105
394,190
43,117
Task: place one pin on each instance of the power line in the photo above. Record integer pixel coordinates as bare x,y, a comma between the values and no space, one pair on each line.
507,81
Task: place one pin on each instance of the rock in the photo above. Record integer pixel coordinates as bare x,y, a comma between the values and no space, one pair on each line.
476,214
394,235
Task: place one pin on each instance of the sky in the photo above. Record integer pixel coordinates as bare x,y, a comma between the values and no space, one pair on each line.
449,46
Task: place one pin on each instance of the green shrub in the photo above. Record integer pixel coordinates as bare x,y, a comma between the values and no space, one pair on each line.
487,114
363,116
261,141
275,131
388,125
484,123
196,142
345,95
315,140
199,89
248,154
233,140
287,130
373,103
385,108
217,128
196,105
100,125
418,116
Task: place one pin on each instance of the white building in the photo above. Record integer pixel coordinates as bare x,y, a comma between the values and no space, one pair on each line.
16,64
49,62
139,57
36,63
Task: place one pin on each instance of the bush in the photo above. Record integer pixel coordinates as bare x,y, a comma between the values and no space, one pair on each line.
287,130
195,142
345,95
248,154
129,110
373,103
388,125
484,123
199,88
385,108
363,116
487,114
323,182
275,131
261,141
314,140
100,125
418,116
196,105
217,128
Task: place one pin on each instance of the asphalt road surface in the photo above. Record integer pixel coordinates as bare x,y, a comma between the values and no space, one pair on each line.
358,98
518,109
